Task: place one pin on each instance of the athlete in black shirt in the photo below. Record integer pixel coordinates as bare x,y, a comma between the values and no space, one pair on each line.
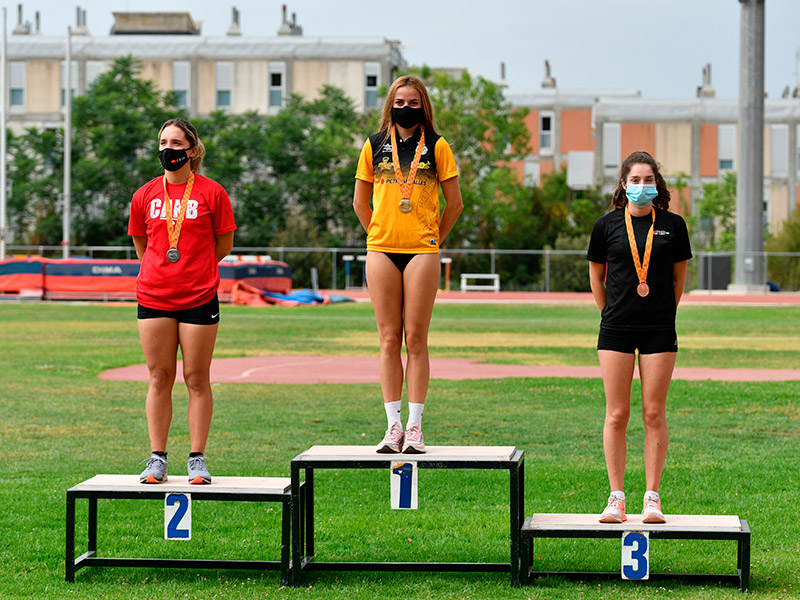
638,255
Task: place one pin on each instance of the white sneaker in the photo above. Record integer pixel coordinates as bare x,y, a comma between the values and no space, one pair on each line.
615,511
392,442
651,512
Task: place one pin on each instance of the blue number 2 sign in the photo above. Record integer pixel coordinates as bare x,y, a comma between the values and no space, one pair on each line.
635,555
178,517
404,485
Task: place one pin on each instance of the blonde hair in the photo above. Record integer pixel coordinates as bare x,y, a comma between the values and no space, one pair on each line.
427,108
192,137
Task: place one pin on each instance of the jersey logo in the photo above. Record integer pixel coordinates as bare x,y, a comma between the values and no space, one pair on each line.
433,242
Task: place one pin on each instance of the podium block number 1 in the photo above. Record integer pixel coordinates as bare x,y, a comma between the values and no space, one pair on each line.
178,517
635,555
404,485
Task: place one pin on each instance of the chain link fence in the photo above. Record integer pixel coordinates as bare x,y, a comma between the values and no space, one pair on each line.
519,270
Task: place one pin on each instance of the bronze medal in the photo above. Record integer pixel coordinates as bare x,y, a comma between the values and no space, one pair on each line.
173,255
643,265
407,185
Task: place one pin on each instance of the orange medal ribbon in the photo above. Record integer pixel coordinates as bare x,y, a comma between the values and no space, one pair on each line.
406,185
641,267
174,227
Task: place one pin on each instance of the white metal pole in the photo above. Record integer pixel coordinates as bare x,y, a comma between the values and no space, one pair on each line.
67,195
3,105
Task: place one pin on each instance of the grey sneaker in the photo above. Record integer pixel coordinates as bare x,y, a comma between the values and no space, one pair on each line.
198,473
156,470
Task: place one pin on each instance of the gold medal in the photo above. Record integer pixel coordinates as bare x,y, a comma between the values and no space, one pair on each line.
641,266
174,227
406,185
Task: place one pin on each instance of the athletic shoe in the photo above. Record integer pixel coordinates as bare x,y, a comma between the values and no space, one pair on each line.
156,470
392,441
198,473
414,443
615,511
651,513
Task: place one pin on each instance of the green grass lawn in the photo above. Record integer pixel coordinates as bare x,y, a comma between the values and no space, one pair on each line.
734,450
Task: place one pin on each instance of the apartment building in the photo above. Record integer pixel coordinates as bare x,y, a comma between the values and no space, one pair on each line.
233,73
589,133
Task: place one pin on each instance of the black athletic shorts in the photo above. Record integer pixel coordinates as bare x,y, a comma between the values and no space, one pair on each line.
205,314
646,341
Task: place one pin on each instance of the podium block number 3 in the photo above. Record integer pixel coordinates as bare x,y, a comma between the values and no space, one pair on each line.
635,555
404,485
178,517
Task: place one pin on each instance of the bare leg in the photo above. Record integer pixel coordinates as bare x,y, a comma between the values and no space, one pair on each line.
160,345
617,369
385,285
420,282
655,371
197,347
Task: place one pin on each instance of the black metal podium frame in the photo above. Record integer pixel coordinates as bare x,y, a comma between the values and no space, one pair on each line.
304,560
740,534
158,492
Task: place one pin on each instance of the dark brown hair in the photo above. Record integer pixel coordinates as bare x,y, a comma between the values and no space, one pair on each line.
191,136
620,200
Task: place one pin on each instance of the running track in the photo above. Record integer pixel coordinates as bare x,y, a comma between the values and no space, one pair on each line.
364,369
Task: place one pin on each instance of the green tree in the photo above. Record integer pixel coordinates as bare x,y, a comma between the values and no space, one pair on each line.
486,133
115,149
784,271
713,219
302,158
35,171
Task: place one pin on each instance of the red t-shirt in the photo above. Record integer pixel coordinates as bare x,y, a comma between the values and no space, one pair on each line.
193,280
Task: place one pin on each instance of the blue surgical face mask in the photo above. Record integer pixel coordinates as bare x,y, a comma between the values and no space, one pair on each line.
641,195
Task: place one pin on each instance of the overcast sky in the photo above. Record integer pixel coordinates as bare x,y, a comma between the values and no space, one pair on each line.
656,46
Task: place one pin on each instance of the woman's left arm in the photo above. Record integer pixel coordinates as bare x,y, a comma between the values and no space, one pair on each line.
679,279
224,245
454,204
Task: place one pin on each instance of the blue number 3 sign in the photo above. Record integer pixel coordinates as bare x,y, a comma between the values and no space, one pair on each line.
178,517
635,555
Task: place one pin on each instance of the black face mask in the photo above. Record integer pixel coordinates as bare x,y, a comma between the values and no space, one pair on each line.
407,117
172,159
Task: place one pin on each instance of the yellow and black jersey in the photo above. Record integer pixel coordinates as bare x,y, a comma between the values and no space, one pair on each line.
390,230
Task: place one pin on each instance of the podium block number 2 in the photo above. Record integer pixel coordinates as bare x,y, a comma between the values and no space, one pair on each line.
178,517
635,555
404,485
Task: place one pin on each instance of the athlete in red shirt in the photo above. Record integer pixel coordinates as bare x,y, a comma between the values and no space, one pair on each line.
182,226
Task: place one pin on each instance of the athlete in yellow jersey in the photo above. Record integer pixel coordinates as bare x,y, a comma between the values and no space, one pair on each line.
400,169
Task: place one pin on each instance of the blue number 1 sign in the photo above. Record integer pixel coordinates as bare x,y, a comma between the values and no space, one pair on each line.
404,485
178,517
635,555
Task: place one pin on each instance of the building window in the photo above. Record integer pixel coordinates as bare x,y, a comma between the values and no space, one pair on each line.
531,172
224,84
546,118
779,150
611,148
16,85
726,146
372,75
277,84
73,81
181,74
94,68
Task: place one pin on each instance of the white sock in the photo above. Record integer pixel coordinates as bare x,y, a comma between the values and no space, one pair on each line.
619,494
415,413
393,413
651,494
